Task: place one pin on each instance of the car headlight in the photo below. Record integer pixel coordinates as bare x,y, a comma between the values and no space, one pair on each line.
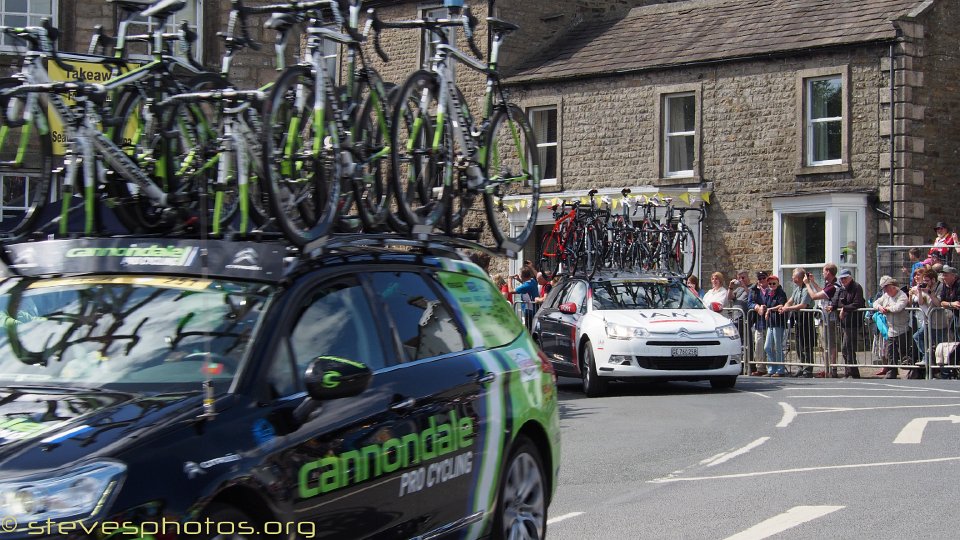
619,331
728,331
78,495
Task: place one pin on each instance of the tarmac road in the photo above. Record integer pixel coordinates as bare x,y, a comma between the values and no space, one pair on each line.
780,458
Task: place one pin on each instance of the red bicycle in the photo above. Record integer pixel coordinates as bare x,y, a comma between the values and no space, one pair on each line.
558,246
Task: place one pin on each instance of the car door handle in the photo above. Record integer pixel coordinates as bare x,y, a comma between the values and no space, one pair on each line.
486,377
403,405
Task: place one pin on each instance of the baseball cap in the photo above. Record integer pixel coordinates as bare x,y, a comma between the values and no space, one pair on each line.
941,224
762,275
949,270
844,273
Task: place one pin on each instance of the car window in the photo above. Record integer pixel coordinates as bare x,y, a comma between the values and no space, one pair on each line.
553,299
337,321
423,322
576,293
643,295
281,379
489,318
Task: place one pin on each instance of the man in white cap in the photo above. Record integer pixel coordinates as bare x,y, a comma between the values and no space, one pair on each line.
893,305
847,302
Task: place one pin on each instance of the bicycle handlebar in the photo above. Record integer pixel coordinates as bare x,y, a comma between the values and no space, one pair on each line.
41,39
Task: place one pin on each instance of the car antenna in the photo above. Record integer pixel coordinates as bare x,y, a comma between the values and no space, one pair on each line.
209,397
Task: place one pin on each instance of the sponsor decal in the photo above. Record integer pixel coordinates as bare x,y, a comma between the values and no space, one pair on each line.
26,258
153,255
161,282
529,369
246,259
194,469
21,428
334,472
263,431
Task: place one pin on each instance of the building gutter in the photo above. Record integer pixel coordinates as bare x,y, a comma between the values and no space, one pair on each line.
531,79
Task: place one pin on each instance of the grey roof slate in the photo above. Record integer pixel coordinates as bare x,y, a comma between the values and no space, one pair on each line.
713,30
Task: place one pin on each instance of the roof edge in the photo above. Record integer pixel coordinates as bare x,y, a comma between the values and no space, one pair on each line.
518,80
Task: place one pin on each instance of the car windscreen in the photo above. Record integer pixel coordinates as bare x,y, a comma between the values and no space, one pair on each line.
137,333
653,294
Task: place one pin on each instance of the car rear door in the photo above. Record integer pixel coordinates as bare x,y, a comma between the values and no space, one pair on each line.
549,322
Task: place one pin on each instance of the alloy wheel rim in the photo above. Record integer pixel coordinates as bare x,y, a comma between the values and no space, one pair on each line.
524,500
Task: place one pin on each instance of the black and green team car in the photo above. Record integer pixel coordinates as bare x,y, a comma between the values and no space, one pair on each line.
178,388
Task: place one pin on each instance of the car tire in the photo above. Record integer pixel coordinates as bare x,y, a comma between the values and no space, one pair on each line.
227,515
719,383
522,504
593,385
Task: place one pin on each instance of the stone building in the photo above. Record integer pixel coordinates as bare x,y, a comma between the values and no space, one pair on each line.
815,129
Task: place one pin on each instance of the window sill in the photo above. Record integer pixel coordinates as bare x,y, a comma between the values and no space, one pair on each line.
822,169
679,180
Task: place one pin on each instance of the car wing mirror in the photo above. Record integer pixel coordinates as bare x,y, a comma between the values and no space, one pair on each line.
568,308
331,377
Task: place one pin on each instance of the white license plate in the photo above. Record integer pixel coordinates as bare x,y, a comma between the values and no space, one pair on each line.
684,351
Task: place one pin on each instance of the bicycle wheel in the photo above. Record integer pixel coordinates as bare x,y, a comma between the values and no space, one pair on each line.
419,151
301,158
511,165
685,251
548,260
26,159
138,129
193,158
370,151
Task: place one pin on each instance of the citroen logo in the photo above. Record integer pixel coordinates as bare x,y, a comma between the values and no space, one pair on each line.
247,256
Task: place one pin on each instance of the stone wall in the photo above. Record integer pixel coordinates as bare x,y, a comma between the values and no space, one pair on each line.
749,140
933,124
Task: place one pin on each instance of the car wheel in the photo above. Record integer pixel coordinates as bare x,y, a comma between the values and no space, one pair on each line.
229,524
522,507
593,385
723,382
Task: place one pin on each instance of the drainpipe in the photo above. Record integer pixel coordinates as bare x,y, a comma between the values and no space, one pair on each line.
893,138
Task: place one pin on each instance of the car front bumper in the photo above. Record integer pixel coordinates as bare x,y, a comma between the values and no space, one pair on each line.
637,359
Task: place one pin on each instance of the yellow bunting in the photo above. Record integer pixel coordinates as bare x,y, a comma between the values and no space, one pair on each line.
705,196
616,203
685,197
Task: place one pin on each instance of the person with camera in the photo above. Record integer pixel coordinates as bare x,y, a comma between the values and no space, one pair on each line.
892,304
932,321
823,297
804,329
776,322
758,323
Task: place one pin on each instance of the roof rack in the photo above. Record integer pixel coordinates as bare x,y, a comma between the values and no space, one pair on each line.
258,257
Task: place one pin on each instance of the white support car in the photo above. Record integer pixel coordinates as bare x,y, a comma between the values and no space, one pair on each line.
633,328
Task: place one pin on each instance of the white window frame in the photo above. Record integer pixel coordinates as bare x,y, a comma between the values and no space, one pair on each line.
669,135
547,144
813,122
33,19
830,204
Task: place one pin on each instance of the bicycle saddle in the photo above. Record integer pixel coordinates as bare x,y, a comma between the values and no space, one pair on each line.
501,26
164,8
130,6
280,21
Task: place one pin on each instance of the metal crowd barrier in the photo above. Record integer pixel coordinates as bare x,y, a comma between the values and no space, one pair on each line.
739,317
815,339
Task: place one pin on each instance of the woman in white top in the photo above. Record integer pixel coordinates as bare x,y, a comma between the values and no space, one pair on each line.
718,297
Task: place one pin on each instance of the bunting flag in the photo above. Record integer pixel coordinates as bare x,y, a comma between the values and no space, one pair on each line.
685,197
705,196
616,203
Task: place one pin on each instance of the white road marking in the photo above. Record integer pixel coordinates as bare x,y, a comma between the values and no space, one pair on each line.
860,388
789,413
557,519
912,433
873,397
787,520
848,409
754,393
723,458
802,469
